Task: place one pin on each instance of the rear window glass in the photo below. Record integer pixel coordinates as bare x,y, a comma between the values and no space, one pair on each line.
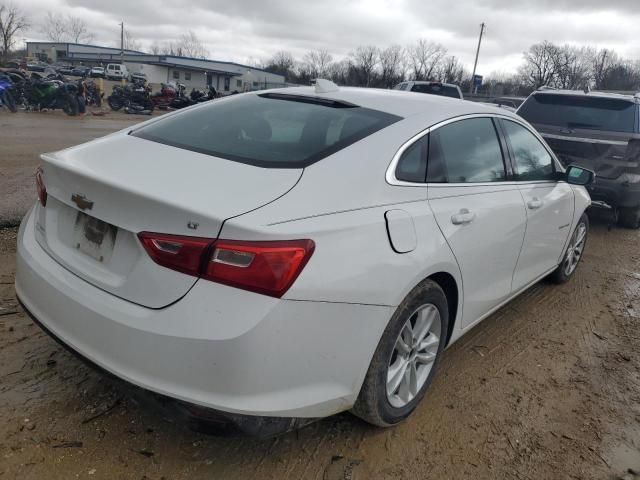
435,89
573,111
269,130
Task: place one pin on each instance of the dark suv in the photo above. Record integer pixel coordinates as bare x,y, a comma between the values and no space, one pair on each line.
598,131
433,88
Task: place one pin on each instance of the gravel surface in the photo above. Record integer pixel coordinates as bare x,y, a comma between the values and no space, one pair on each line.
547,387
26,135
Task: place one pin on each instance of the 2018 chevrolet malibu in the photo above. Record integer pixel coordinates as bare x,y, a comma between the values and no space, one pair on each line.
295,253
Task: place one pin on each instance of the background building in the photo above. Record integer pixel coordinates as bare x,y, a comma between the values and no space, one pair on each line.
192,72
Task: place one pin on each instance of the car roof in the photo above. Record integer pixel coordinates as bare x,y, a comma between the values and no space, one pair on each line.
398,102
582,93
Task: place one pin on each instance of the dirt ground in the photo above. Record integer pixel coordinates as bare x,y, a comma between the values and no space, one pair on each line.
26,135
548,387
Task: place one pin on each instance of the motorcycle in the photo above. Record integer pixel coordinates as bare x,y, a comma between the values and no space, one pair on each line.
6,97
134,97
199,97
90,92
50,92
164,97
181,100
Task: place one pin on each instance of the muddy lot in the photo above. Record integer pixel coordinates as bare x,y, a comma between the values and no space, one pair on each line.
548,387
25,135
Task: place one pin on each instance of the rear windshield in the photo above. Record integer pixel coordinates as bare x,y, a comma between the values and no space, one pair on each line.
269,130
573,111
435,89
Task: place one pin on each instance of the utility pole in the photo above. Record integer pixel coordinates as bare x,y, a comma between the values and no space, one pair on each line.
475,64
122,44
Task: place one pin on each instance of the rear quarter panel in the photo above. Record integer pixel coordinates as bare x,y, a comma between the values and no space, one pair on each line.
353,261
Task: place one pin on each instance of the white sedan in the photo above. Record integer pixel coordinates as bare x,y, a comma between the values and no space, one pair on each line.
295,253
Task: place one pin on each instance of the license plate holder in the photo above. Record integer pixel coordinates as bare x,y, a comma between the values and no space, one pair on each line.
93,237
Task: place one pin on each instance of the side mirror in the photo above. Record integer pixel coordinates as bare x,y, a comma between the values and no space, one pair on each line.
576,175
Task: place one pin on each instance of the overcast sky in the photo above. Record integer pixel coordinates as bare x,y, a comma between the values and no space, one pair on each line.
242,29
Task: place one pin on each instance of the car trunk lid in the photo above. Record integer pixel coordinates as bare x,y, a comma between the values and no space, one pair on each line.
100,195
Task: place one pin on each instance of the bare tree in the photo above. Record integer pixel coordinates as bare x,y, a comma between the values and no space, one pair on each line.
57,28
191,46
54,27
425,58
365,60
574,67
77,30
603,62
392,64
281,63
339,72
541,64
621,75
12,21
451,70
318,62
130,42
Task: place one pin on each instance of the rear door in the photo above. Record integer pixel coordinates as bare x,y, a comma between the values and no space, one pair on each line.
478,209
549,203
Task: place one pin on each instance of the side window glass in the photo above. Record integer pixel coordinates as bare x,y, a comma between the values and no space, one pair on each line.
533,162
466,151
412,166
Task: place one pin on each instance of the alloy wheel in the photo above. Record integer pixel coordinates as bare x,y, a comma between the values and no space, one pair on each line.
413,355
575,249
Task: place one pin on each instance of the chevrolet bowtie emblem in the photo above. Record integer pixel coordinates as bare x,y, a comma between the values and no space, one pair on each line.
81,201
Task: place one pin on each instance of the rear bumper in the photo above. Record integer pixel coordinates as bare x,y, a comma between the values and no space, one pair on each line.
219,347
201,418
615,193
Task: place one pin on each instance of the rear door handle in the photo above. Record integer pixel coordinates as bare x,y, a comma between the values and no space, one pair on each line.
534,203
463,217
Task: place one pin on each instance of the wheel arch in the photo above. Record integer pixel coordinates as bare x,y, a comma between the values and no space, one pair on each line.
448,283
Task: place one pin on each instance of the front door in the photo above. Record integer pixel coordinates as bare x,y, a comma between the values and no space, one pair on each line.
549,204
479,212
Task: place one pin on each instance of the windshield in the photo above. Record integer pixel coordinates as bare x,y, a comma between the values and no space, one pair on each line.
271,130
436,89
575,111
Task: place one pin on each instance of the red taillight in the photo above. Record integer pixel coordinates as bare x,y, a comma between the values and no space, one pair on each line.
42,190
269,267
184,254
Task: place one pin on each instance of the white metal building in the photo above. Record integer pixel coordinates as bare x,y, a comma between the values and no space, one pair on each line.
192,72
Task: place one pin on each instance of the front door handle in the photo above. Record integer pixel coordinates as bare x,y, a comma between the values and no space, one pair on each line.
463,217
534,203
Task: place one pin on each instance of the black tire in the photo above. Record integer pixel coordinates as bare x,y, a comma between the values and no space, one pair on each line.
629,217
373,404
9,101
98,100
70,105
148,104
114,103
560,275
82,104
